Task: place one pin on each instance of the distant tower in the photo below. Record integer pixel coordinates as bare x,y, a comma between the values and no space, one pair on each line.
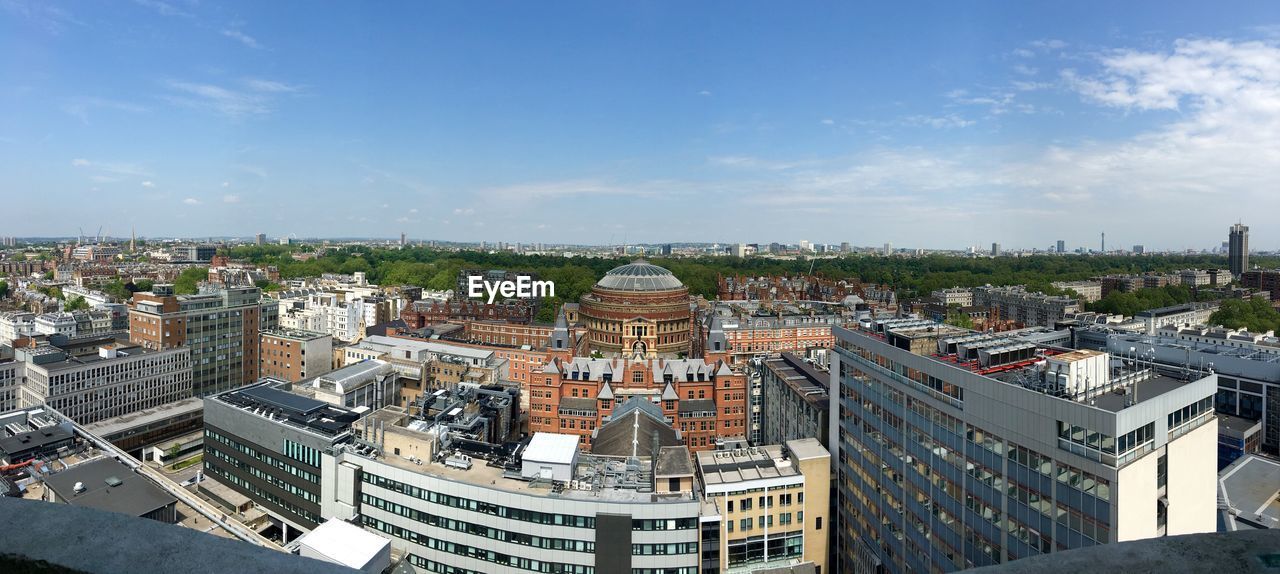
402,240
995,249
133,240
260,239
1238,249
1062,246
1104,242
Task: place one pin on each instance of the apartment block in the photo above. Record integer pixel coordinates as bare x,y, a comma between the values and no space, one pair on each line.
991,448
219,325
1089,291
954,296
1030,309
294,354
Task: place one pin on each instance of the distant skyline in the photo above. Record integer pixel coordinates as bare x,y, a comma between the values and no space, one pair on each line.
930,125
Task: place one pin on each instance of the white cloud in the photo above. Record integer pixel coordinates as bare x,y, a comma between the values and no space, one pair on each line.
704,93
1049,44
939,122
1025,69
81,107
148,184
1024,53
80,162
256,98
191,201
231,198
828,122
461,211
163,8
241,37
413,210
111,171
226,184
261,85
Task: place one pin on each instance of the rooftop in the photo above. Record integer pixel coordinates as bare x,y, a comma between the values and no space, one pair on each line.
296,334
264,399
803,378
600,478
344,543
1249,488
108,485
719,467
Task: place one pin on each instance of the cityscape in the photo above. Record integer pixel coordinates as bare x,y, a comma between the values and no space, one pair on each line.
650,289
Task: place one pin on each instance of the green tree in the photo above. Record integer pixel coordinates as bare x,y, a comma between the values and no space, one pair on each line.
188,281
4,289
1256,315
76,303
143,285
48,276
118,290
267,285
957,318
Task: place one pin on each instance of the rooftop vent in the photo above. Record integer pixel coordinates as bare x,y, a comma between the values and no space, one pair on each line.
113,481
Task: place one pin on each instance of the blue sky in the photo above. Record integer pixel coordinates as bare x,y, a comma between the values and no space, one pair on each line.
921,124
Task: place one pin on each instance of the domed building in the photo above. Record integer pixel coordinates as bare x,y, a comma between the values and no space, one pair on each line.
638,309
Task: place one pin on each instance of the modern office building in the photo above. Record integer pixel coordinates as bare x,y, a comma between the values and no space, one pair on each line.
1247,367
989,448
195,253
766,508
796,401
1238,249
294,354
1062,246
219,325
114,381
417,479
268,444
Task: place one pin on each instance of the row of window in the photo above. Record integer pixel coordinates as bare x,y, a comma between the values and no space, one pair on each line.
253,490
263,457
481,530
478,553
520,514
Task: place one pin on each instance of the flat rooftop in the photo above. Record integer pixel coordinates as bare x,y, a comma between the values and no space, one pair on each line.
604,473
143,418
108,485
1251,486
743,464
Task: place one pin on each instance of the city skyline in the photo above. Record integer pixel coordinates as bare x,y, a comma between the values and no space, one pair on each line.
643,124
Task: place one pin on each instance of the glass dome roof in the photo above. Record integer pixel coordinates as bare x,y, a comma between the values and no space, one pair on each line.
639,276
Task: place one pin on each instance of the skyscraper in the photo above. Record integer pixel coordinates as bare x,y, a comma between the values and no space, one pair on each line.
1062,246
995,249
1238,249
260,239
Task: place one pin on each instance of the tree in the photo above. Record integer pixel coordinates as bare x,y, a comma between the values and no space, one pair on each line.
4,289
1256,315
189,280
48,276
76,303
118,290
173,450
266,285
143,285
958,318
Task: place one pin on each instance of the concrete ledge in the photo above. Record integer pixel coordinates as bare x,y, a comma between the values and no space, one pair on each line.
1234,552
108,543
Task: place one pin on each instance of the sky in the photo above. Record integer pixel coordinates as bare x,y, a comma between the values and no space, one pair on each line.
932,125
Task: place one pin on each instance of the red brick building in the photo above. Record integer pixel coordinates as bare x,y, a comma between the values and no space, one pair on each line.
422,313
638,309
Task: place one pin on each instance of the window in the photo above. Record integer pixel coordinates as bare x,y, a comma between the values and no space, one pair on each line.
1162,471
818,524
